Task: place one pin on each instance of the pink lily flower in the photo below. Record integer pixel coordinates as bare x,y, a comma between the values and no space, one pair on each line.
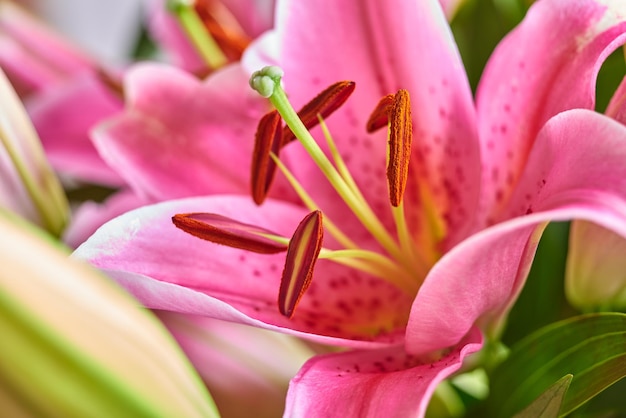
483,183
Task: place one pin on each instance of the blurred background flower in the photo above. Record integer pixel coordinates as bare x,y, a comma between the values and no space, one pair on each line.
74,344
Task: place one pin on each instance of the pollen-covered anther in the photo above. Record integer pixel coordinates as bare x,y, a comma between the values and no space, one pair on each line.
268,139
222,230
380,116
400,138
324,104
304,249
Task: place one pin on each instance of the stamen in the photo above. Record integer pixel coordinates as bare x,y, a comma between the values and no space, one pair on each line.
268,140
342,168
400,138
375,264
380,116
111,82
225,231
311,205
304,249
198,34
267,82
323,105
224,27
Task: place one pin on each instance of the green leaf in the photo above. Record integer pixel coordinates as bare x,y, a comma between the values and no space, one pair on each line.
548,404
590,347
479,26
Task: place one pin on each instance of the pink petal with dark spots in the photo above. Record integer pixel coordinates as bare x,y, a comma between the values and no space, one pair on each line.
168,269
365,383
548,64
576,170
382,48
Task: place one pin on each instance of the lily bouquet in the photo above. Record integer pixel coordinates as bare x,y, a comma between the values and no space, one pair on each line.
325,172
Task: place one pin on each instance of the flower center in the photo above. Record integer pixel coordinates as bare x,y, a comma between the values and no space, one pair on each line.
406,256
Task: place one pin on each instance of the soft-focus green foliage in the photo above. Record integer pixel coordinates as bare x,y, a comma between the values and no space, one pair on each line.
479,26
590,347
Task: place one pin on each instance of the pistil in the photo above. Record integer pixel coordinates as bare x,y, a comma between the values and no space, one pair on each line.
402,264
393,111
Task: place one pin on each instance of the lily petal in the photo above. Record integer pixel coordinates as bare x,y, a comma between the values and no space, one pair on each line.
617,106
383,48
244,379
576,171
51,53
548,64
168,269
365,383
173,139
450,7
63,117
89,216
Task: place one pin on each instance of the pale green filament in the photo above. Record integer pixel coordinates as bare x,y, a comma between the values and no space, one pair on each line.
198,34
376,264
366,261
406,241
342,238
339,162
